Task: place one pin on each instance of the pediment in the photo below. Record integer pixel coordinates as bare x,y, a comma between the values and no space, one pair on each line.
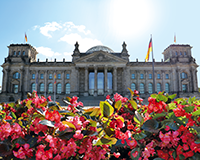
185,81
101,56
15,81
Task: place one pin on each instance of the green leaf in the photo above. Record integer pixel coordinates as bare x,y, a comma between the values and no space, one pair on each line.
161,98
154,96
2,115
158,115
197,141
172,106
151,125
196,113
133,104
189,109
66,113
190,100
47,123
172,96
106,140
109,131
28,104
118,105
171,124
137,149
53,105
71,125
139,117
158,159
32,141
139,136
106,109
181,156
12,114
132,93
174,154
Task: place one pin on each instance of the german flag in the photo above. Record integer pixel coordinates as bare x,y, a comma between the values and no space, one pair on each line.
26,38
149,51
55,78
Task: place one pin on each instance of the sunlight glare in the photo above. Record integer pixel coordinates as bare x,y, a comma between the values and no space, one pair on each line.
129,18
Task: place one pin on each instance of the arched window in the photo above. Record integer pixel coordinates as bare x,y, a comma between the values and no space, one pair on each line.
16,75
183,75
23,53
158,87
67,88
42,87
33,88
14,53
141,88
15,88
19,53
59,88
42,76
150,88
167,87
50,88
133,87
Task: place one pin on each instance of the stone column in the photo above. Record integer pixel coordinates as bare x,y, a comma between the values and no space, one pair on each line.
45,82
78,79
8,88
4,80
194,75
115,80
163,80
63,82
21,82
95,81
179,87
37,81
137,80
146,82
86,82
105,81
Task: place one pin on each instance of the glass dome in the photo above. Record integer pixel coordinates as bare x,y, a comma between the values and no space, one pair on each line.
100,48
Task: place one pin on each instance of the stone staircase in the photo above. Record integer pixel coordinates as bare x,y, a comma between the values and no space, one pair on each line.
91,100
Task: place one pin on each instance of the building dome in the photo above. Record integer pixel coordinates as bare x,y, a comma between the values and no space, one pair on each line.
99,48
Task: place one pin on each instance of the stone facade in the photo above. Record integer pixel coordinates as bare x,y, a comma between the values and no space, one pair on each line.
97,72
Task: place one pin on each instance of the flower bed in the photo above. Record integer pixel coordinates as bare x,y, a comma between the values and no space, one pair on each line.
120,128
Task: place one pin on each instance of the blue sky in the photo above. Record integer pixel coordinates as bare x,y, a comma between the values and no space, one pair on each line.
53,27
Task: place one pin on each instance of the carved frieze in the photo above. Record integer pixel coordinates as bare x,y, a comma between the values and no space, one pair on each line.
101,58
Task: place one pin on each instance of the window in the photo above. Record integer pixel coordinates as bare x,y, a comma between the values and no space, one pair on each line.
133,87
183,75
23,53
33,87
150,76
19,53
42,87
50,76
133,76
181,53
15,88
158,87
59,87
67,88
33,76
185,53
167,87
158,76
41,76
14,53
184,87
141,76
167,76
176,54
50,88
141,88
67,76
150,88
59,76
16,75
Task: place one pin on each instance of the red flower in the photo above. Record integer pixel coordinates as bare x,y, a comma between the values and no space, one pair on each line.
116,154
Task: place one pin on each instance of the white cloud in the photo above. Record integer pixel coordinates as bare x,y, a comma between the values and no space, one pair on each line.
47,51
84,43
49,27
35,27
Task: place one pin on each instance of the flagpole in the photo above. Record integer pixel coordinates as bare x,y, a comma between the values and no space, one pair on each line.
153,67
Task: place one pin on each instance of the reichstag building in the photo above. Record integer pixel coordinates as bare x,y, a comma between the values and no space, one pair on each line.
97,72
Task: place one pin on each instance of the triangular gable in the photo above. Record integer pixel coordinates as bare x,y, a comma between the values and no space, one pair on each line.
101,56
